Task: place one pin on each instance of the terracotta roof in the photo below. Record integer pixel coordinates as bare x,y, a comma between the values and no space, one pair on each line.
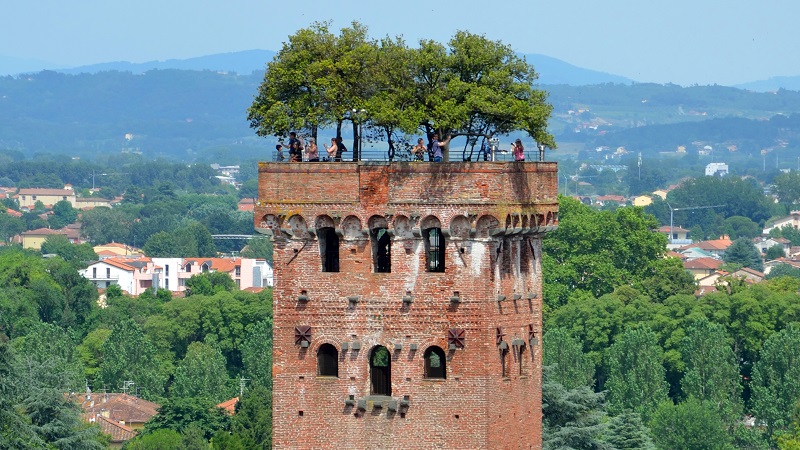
117,407
254,289
675,229
42,232
217,264
753,272
91,199
229,405
715,244
702,263
13,213
703,290
117,431
673,254
40,191
611,198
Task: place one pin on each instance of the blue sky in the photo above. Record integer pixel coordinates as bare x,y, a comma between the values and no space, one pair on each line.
679,41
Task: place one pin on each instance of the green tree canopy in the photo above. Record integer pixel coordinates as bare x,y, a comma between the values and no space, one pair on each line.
742,251
712,372
635,374
776,379
202,374
474,86
129,355
690,425
563,354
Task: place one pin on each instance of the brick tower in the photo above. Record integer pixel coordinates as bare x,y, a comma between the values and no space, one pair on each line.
407,302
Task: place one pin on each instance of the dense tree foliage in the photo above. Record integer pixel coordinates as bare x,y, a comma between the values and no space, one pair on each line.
472,86
744,253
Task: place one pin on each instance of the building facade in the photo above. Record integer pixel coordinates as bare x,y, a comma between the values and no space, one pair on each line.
407,302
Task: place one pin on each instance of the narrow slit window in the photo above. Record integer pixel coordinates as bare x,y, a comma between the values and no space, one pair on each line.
381,250
329,249
504,362
434,249
327,361
435,363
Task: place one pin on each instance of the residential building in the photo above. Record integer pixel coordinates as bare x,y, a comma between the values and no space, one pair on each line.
764,244
642,200
676,236
702,267
792,220
33,239
716,247
85,203
135,274
27,197
716,170
122,408
114,249
132,275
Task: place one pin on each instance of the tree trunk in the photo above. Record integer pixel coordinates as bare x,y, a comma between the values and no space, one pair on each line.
356,142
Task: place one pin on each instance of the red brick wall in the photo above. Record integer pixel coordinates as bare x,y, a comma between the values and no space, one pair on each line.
494,215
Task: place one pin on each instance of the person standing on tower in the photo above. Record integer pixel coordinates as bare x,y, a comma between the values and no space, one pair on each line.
436,149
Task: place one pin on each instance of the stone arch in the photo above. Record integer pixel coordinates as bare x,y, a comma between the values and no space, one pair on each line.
376,222
270,221
549,218
351,227
402,227
525,221
298,226
508,221
485,224
430,222
459,227
324,221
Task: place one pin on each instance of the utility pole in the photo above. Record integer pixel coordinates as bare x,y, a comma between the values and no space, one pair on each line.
672,210
242,382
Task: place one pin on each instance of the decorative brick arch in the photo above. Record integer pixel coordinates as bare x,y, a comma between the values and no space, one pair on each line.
402,226
430,221
324,221
377,221
270,221
485,224
351,227
460,227
298,226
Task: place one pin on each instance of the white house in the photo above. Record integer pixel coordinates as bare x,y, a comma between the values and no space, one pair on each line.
716,169
793,220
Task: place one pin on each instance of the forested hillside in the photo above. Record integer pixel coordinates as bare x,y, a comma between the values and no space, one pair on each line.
191,115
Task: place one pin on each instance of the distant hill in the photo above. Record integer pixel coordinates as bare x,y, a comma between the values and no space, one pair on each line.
772,84
555,71
551,70
243,63
10,65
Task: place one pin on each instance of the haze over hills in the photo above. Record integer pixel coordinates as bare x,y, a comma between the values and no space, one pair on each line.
551,70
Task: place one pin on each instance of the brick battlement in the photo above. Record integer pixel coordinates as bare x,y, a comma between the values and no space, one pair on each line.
413,260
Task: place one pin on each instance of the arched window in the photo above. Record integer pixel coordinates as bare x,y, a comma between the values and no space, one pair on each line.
380,371
434,249
329,249
435,363
504,362
327,361
381,250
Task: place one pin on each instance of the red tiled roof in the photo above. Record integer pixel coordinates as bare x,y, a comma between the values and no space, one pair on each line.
675,229
118,407
714,244
40,191
702,263
13,213
229,405
117,431
42,232
226,265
